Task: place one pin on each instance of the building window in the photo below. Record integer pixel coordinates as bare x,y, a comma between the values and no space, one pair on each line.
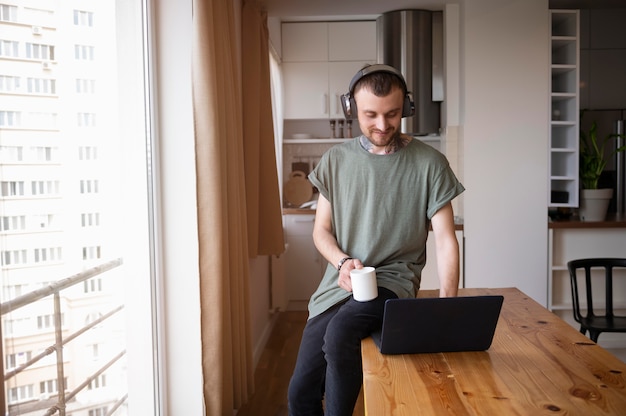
92,285
39,51
11,188
43,86
47,255
101,411
13,223
10,118
13,291
15,360
89,186
83,18
20,394
8,13
98,382
14,257
9,83
9,49
45,322
91,253
44,153
87,153
84,52
90,219
11,154
85,86
45,188
86,120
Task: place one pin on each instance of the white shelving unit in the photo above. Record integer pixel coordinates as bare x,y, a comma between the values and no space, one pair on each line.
567,244
564,109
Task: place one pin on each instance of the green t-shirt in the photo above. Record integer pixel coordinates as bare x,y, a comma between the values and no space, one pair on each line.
381,209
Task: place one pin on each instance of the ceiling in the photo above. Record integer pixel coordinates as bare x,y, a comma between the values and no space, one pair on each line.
321,8
311,8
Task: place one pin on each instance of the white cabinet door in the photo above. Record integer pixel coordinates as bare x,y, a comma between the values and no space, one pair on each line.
339,77
430,277
305,42
304,265
352,41
305,90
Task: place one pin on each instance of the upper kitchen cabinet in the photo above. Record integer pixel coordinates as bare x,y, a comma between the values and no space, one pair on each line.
319,60
564,110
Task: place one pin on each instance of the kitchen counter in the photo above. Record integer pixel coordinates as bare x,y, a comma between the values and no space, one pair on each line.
611,221
458,226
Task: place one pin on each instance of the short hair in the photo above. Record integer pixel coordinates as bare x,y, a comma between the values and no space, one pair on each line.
380,83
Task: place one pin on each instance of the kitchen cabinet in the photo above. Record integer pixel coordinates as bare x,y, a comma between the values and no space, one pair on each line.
579,241
304,266
315,76
564,109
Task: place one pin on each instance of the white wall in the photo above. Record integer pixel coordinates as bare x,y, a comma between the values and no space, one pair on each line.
505,88
179,309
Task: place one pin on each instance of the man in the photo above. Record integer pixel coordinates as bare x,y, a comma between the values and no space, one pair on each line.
378,195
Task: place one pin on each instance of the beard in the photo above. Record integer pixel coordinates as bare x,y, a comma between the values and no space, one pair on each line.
383,139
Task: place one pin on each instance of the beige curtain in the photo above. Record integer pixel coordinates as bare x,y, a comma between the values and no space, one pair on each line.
265,223
225,239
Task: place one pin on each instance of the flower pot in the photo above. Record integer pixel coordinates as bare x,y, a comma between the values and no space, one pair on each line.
594,204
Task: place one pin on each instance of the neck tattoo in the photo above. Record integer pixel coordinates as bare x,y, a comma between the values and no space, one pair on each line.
397,143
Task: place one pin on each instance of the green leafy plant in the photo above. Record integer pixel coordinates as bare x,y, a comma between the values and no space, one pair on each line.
592,156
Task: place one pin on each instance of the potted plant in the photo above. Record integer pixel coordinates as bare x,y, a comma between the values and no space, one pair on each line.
594,202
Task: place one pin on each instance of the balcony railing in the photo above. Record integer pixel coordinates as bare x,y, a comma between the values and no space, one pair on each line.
64,396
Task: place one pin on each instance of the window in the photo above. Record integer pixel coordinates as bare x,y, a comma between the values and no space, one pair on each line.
12,188
10,119
75,142
8,13
47,188
87,153
91,253
84,53
9,83
47,255
102,411
20,394
39,51
83,18
42,86
13,223
44,153
85,86
9,48
92,285
91,219
89,186
15,360
11,154
98,382
14,257
86,120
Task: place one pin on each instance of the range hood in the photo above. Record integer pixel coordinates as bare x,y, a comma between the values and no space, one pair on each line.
412,42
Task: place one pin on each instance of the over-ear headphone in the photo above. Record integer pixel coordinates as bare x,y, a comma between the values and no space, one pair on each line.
347,100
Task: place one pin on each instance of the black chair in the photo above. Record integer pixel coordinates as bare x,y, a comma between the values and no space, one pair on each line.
592,321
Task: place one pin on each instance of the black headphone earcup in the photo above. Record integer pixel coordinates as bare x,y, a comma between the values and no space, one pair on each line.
349,107
408,109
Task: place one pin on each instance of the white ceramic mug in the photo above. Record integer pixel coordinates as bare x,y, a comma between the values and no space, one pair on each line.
364,285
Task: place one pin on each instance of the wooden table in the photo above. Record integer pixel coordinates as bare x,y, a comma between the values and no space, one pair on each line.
537,365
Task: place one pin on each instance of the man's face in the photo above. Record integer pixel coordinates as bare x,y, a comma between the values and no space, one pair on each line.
379,117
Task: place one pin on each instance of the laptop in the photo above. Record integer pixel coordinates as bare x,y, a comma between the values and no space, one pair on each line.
426,325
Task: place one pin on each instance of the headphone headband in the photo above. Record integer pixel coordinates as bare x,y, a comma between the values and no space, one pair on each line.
347,100
370,69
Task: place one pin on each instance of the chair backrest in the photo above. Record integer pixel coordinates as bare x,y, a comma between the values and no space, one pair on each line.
608,264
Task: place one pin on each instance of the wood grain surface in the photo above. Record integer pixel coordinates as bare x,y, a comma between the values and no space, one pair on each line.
536,365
